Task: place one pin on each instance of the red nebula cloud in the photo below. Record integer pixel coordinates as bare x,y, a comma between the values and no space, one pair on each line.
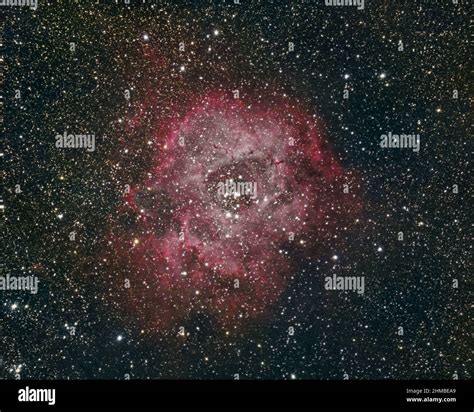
233,186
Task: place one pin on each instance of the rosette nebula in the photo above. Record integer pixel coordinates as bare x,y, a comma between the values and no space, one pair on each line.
235,190
236,187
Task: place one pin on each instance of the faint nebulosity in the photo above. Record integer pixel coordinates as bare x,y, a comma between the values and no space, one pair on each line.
201,190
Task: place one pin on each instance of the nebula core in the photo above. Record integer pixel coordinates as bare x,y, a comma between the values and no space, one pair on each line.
197,249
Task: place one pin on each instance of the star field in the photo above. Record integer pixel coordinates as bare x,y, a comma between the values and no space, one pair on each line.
228,210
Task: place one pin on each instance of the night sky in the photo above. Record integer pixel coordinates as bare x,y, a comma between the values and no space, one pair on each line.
147,271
